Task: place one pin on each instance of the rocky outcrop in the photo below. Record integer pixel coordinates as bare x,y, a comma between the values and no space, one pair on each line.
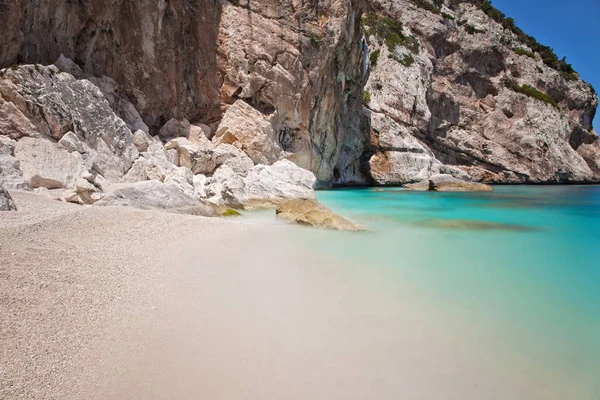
246,128
204,157
300,65
11,175
447,183
400,157
6,201
155,195
263,186
311,213
60,133
161,54
474,97
201,93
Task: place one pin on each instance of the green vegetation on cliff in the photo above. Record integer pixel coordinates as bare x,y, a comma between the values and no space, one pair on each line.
374,56
426,5
366,96
547,53
523,52
388,30
530,91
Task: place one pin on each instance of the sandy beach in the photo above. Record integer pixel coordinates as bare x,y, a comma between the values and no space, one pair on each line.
119,303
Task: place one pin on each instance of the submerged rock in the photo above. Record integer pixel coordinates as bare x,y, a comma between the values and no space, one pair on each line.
447,183
230,213
6,201
311,213
464,224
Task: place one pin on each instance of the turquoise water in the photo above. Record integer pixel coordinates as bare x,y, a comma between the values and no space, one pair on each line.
514,273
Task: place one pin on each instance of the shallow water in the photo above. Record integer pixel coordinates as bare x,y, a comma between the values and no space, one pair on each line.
514,275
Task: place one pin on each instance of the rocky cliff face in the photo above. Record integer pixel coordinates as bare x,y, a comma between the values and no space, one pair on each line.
452,86
300,63
202,94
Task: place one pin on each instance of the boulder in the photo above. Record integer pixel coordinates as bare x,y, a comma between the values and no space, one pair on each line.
50,165
182,178
154,195
174,129
248,129
199,131
43,103
447,183
6,201
311,213
141,140
263,186
203,157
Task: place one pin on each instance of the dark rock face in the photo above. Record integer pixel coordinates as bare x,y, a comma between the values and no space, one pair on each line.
162,54
188,59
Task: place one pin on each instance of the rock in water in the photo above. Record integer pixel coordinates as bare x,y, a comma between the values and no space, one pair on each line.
311,213
6,201
447,183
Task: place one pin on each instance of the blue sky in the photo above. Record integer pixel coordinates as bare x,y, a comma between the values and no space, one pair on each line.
570,27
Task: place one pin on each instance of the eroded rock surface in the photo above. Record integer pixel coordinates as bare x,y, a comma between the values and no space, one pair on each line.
450,83
299,63
213,97
60,133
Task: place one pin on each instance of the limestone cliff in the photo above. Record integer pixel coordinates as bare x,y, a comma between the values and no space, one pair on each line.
454,90
203,92
301,63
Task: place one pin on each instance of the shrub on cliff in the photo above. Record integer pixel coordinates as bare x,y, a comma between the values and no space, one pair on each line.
547,54
523,52
426,5
366,96
387,29
530,91
374,56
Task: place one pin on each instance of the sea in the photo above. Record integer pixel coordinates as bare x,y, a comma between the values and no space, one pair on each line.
513,274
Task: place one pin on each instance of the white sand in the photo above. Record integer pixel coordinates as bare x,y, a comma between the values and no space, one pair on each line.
113,303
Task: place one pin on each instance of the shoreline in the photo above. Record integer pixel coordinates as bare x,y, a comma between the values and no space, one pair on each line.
123,303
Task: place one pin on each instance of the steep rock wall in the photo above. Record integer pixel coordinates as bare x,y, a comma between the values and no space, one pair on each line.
301,63
162,54
456,81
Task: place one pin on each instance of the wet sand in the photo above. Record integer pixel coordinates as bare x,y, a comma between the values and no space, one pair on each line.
109,303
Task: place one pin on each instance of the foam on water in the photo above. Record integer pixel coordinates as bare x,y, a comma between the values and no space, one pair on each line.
515,273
